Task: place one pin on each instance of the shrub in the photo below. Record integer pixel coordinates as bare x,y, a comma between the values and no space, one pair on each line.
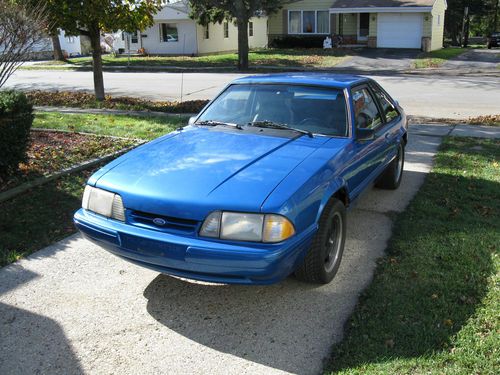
16,118
298,42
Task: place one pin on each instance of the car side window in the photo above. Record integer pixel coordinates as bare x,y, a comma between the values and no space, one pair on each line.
366,113
389,110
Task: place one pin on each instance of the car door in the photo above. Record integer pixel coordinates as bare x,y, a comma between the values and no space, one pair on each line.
391,129
367,155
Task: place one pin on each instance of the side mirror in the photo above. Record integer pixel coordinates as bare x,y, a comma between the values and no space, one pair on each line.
364,134
192,120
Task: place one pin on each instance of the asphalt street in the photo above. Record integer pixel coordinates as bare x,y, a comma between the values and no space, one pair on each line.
420,95
73,308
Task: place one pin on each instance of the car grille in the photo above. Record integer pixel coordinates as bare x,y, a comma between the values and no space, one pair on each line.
162,223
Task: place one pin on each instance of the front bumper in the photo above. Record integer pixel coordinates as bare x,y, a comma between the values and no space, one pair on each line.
195,258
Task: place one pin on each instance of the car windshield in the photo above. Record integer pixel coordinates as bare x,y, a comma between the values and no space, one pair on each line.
318,110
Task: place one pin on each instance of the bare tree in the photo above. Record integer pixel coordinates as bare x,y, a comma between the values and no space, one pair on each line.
21,30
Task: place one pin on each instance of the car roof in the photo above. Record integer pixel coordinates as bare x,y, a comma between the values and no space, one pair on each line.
340,81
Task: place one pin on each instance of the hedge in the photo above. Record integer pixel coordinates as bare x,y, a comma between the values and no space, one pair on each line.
16,118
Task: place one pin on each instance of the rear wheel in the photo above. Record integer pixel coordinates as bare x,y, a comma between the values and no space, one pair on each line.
391,177
323,258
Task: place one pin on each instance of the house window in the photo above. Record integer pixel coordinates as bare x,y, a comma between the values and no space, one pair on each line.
323,22
134,39
168,32
70,39
308,22
226,29
294,22
207,32
250,28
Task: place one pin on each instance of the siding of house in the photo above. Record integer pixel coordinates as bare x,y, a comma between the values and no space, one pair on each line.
186,44
373,25
437,24
217,43
350,23
278,21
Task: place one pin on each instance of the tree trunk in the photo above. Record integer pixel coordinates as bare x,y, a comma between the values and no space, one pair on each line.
95,42
242,43
56,45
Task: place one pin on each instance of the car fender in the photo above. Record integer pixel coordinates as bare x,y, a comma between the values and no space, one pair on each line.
337,185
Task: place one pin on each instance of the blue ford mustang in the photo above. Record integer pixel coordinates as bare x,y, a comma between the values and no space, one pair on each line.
256,187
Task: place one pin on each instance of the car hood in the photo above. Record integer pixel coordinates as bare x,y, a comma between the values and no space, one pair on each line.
198,170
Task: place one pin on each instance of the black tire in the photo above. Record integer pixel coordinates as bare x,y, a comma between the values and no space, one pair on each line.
323,258
393,174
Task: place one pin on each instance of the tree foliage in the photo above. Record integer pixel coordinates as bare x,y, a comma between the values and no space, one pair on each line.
481,13
92,17
239,11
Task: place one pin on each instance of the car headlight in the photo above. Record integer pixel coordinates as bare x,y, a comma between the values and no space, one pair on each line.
103,202
252,227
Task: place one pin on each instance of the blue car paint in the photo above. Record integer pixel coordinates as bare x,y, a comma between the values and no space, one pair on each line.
189,173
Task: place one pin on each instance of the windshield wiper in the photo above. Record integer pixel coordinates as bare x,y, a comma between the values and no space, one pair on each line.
277,125
217,123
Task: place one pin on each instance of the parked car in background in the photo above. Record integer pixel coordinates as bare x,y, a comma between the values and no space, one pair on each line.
493,40
257,186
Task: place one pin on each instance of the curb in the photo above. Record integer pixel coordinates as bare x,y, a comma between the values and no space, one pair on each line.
9,194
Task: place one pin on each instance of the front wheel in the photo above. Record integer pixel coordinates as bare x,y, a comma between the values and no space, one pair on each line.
391,177
323,258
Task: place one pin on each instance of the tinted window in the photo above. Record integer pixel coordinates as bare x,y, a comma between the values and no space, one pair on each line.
316,109
366,113
388,108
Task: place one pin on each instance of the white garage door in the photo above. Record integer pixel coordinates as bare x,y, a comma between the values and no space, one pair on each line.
399,30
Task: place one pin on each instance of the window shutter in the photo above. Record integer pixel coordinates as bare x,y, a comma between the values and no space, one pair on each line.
285,21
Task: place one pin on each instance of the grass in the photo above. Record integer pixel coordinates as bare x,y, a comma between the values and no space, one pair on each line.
258,58
120,126
437,58
433,305
40,217
43,215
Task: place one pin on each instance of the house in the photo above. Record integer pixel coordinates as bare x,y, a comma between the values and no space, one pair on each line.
70,46
175,33
374,23
74,45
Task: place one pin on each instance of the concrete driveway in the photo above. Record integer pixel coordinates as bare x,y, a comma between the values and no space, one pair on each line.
476,59
73,308
381,60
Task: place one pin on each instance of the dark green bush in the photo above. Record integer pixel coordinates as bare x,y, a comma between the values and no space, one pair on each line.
306,41
16,118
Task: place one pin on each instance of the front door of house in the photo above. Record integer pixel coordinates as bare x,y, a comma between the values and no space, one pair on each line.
363,26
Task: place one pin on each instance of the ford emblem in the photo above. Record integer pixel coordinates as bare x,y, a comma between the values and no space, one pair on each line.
160,222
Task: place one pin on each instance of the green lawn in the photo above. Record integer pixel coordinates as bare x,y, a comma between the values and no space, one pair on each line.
40,217
43,215
120,126
262,57
436,58
433,306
